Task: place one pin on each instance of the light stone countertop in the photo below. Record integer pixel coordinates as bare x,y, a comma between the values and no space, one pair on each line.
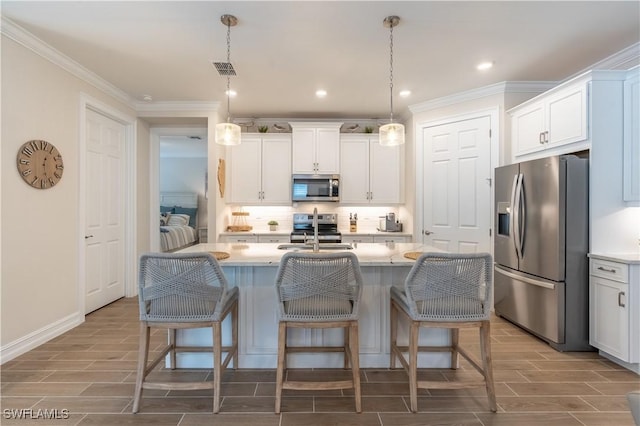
628,258
266,254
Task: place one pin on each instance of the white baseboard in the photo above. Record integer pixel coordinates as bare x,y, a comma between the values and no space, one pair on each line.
26,343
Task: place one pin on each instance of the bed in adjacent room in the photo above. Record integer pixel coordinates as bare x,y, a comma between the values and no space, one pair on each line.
178,220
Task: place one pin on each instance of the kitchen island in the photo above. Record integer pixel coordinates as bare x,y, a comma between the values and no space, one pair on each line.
252,267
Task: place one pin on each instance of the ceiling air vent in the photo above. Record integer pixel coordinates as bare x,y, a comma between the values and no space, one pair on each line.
224,68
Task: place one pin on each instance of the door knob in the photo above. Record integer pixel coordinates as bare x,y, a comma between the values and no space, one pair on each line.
427,232
88,236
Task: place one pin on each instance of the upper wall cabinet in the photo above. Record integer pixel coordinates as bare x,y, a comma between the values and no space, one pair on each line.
260,170
632,136
370,173
316,147
554,121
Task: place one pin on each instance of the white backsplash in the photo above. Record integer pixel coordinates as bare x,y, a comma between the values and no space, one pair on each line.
368,217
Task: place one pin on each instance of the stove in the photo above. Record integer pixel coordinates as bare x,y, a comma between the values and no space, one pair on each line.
327,228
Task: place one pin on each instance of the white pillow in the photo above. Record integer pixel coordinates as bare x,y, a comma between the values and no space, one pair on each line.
178,220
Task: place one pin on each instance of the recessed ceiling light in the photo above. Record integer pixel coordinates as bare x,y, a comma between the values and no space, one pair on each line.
405,93
231,93
321,93
484,66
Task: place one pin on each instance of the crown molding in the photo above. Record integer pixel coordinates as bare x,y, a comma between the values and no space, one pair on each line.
482,92
21,36
623,60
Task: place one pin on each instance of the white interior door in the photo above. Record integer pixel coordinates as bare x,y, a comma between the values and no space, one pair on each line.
457,186
105,202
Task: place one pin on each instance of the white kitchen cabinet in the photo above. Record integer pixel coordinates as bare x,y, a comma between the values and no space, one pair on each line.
614,308
315,148
391,239
370,172
238,238
280,239
357,238
260,170
613,223
555,119
631,165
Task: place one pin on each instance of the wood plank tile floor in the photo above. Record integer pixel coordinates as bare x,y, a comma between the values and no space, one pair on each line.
90,372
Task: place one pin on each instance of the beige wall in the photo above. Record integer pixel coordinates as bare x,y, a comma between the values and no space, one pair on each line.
40,236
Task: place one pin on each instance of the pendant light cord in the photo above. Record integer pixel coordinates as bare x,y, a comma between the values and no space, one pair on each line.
391,71
228,76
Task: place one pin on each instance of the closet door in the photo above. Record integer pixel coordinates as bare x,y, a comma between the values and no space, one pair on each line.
105,195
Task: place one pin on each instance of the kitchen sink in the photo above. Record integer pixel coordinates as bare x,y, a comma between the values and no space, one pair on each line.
323,246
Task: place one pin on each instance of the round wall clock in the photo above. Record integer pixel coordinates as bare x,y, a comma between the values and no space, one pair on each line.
40,164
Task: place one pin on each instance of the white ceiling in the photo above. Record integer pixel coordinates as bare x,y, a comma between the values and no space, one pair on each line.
284,51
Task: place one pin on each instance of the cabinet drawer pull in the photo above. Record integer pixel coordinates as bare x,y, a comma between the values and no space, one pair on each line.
600,268
620,302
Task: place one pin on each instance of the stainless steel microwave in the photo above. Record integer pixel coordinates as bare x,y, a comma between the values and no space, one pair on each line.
315,188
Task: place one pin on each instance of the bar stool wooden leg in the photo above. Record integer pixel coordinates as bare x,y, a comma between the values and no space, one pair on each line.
487,364
346,331
143,356
282,338
217,365
234,335
172,343
455,337
413,364
354,346
393,334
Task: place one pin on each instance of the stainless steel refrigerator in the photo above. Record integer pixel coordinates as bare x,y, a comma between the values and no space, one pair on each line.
541,269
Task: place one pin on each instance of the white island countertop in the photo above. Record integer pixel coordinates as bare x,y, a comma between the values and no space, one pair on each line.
266,254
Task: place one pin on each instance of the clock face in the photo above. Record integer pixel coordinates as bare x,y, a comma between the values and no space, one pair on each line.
40,164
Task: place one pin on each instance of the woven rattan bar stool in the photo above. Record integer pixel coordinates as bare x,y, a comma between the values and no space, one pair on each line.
319,290
178,291
444,290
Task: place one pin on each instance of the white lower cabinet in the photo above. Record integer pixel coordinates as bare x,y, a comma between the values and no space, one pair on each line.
391,239
614,319
238,239
274,239
375,238
357,238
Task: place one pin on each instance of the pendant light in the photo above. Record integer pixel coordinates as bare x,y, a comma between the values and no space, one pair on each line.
227,133
393,133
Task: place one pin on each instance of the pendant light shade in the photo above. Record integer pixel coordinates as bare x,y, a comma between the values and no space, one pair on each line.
227,133
393,133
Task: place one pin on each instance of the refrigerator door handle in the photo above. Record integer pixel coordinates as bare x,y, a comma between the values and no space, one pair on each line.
499,270
513,214
517,203
522,215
